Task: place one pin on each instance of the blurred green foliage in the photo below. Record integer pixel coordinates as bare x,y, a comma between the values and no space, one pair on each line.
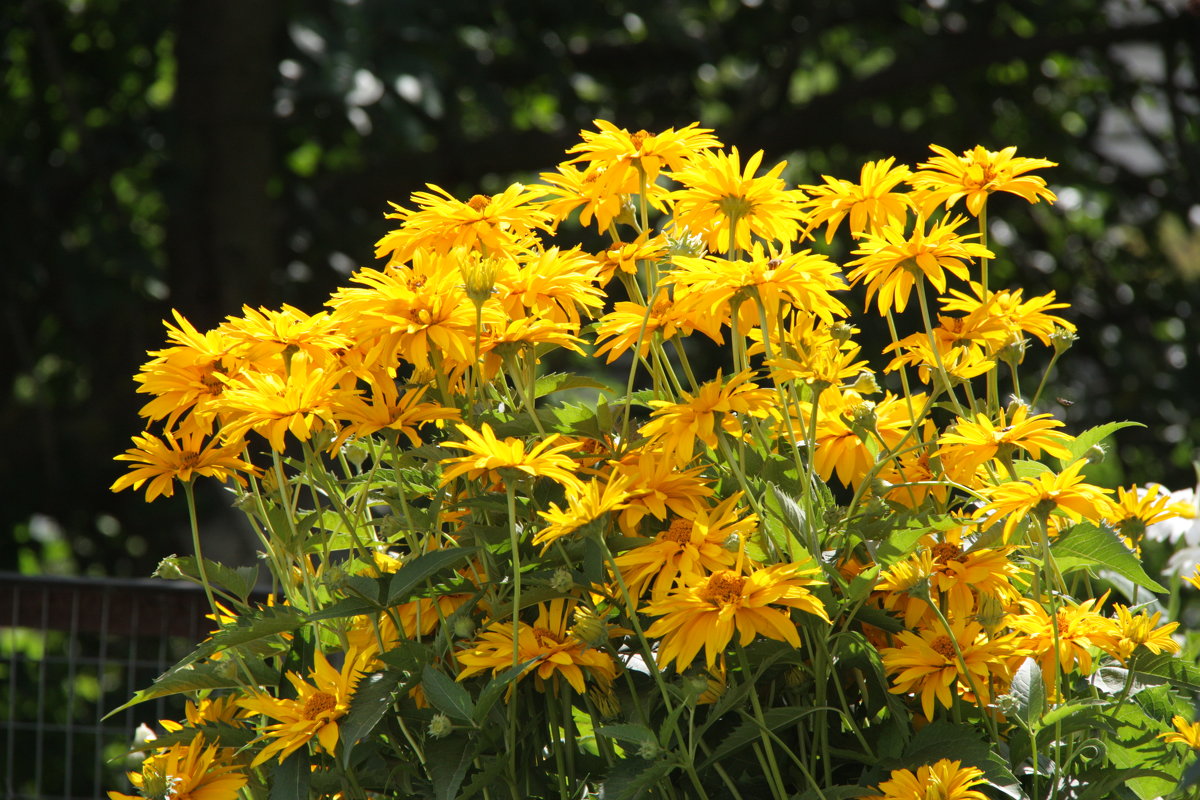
202,155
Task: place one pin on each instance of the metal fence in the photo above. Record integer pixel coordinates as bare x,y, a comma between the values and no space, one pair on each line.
72,650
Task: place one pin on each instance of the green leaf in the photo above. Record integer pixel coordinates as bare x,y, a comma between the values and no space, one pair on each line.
1092,437
899,545
495,688
289,780
561,381
406,579
347,607
447,696
1167,668
446,761
264,623
749,731
1085,546
237,581
631,777
1028,694
1136,747
372,698
635,734
196,677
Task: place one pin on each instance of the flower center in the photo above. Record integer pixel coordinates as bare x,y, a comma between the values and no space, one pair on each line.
638,139
680,531
947,551
479,202
546,638
318,704
723,588
188,459
944,646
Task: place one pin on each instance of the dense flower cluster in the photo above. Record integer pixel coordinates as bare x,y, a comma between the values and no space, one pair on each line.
702,582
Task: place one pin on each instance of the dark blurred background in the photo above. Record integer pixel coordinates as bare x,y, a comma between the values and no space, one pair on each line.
202,155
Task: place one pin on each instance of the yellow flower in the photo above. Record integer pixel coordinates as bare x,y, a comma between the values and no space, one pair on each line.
630,324
1133,631
596,197
187,772
708,614
621,154
971,444
869,203
1137,508
976,174
499,225
942,780
624,256
553,284
261,334
688,547
892,262
677,426
1077,628
491,459
1064,491
726,205
580,507
659,488
163,461
312,714
779,278
298,400
548,643
183,379
387,409
840,447
1185,733
1007,309
927,664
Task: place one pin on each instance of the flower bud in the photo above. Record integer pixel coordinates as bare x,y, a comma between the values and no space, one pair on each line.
562,580
865,383
1095,454
589,627
462,626
440,726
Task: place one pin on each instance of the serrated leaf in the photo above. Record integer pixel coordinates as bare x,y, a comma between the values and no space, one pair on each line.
1085,546
446,761
1091,437
629,778
635,734
197,677
237,581
347,607
406,579
372,698
264,623
289,780
1164,667
749,731
446,695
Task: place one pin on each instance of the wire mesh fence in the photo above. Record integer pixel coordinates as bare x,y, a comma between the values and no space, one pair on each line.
72,650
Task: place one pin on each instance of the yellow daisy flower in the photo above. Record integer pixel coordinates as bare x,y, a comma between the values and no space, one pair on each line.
869,203
926,664
620,153
726,204
549,643
597,198
312,714
494,225
892,261
976,174
691,546
942,780
387,409
708,613
1133,631
1077,627
164,461
659,489
675,427
1007,308
596,498
192,771
494,460
631,324
968,445
1064,491
1185,733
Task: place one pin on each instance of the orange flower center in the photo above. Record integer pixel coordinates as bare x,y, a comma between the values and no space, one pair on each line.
680,531
638,139
944,646
947,551
188,459
479,202
723,588
318,704
212,383
546,638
